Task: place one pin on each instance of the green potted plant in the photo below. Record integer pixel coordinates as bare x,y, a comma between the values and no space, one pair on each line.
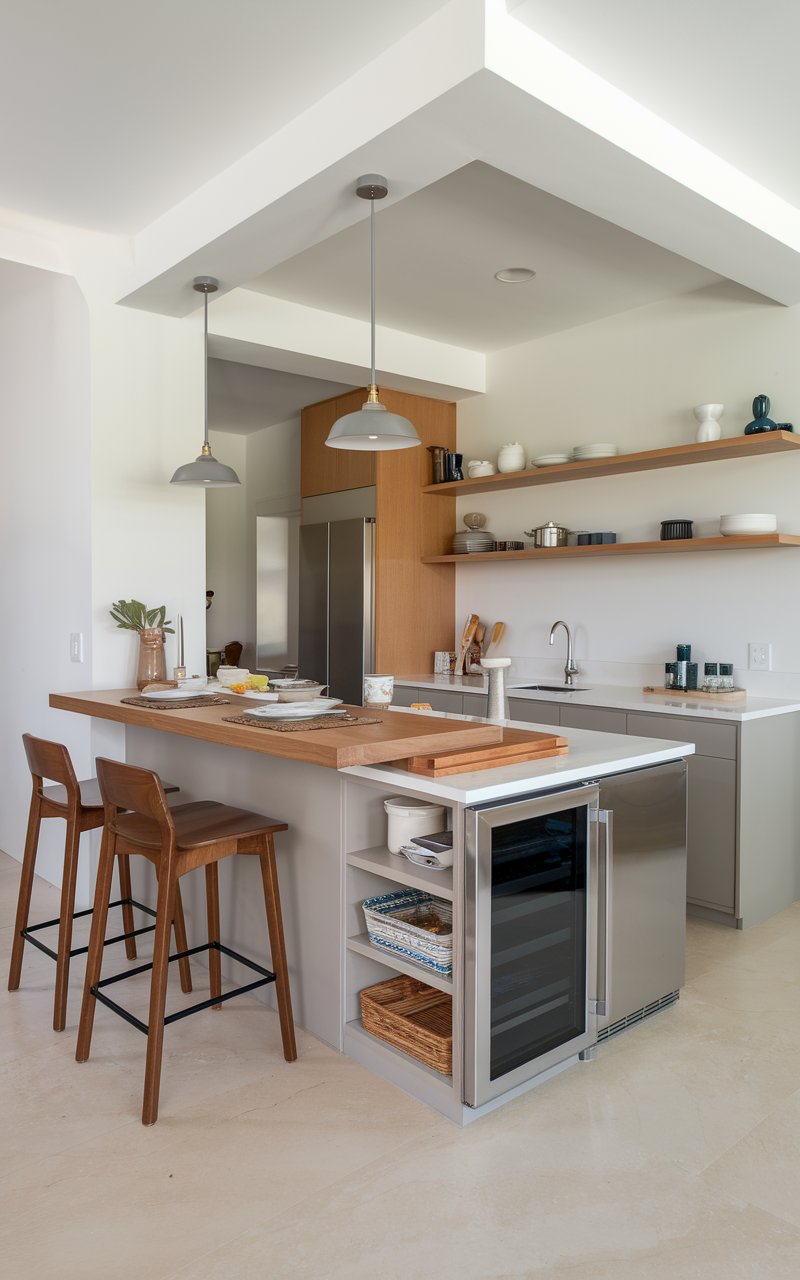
151,624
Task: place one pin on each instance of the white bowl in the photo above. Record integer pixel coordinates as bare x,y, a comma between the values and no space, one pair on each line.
302,693
750,523
232,675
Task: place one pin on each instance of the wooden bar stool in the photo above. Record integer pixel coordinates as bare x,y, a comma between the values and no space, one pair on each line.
81,806
199,834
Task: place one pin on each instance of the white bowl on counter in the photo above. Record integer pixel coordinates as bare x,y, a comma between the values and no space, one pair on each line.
733,525
296,690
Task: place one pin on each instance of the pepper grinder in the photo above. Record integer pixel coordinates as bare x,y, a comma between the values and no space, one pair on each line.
497,702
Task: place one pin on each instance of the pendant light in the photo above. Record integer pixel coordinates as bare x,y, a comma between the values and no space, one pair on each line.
372,426
205,471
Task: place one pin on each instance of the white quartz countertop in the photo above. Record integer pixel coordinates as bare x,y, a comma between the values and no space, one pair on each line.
622,697
591,755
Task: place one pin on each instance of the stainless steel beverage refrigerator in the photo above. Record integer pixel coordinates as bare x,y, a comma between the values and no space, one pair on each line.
336,636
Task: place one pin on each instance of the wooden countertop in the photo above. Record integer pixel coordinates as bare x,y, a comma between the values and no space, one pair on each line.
399,734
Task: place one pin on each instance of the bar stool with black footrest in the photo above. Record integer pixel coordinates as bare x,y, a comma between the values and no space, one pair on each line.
81,806
199,834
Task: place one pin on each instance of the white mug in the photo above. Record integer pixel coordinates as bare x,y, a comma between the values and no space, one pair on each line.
378,691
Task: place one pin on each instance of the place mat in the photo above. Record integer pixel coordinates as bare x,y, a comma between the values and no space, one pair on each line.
178,704
342,721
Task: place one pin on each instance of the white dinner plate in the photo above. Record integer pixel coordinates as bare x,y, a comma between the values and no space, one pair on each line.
167,695
257,694
299,710
550,459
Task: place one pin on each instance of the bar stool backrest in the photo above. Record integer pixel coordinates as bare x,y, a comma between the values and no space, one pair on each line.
127,787
51,760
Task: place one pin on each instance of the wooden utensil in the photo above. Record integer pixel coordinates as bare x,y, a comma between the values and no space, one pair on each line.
476,648
497,635
466,641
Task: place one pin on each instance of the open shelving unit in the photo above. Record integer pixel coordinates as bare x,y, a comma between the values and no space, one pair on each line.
371,869
765,444
749,542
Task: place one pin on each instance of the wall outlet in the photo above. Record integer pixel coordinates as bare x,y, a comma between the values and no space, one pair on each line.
759,657
76,646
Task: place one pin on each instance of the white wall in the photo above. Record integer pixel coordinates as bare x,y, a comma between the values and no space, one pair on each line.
45,533
633,380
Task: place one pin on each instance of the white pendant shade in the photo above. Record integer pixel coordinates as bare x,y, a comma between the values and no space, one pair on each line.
372,427
206,470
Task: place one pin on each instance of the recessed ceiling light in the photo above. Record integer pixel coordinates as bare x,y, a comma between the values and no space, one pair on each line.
514,275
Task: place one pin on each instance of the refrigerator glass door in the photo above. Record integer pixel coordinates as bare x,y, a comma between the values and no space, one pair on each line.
313,622
531,938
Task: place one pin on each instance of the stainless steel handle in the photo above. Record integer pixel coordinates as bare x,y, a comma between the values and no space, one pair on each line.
601,1004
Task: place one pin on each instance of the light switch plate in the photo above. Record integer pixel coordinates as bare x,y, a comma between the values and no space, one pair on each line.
76,646
759,656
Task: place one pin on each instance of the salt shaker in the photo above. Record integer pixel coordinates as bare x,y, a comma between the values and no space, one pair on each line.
497,702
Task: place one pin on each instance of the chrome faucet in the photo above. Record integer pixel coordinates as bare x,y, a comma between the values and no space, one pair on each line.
570,669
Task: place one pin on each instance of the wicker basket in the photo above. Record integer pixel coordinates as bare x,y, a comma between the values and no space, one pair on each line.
391,924
411,1016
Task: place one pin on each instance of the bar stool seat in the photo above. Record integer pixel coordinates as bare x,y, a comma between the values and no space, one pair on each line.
199,834
80,805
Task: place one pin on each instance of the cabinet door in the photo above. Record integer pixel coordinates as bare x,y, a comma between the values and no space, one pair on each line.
601,719
442,699
533,711
710,739
711,872
404,695
324,470
475,704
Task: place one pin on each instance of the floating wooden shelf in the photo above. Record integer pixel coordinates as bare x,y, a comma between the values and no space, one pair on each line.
766,443
749,542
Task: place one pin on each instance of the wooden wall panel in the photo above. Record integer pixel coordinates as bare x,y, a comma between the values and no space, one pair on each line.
324,470
415,603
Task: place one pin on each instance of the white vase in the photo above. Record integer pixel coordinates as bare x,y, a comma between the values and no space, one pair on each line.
708,416
511,457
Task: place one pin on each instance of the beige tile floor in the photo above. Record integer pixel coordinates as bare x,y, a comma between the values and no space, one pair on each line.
675,1155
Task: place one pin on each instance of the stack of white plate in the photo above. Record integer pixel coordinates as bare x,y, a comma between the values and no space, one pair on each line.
550,459
583,452
731,526
468,541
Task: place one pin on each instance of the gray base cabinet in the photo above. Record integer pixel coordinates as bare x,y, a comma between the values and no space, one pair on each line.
744,797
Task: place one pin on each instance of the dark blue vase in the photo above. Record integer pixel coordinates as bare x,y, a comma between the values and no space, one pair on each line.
760,420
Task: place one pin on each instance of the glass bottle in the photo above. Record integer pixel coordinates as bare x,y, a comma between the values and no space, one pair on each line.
152,659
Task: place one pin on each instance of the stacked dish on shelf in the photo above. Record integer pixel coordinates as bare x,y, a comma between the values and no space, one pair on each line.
474,538
736,526
549,459
585,452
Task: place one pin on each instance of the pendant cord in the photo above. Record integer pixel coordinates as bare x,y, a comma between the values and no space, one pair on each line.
372,281
205,368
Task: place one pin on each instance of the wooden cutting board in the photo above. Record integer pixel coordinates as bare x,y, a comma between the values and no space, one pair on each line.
698,695
517,747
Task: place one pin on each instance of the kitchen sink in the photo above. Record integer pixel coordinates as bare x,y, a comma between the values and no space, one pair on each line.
552,688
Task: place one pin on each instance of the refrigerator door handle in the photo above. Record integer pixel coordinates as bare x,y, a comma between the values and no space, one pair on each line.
601,1003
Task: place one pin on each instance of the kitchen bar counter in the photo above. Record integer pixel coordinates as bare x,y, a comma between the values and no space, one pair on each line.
334,853
394,737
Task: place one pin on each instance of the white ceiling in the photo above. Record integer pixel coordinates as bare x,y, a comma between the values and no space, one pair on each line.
114,112
222,139
243,399
437,252
722,71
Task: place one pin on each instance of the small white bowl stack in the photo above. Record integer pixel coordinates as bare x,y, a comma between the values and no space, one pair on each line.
733,526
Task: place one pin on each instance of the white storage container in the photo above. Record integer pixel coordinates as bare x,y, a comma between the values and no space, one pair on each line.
409,817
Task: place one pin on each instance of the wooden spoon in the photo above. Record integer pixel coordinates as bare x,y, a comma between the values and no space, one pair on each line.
497,635
466,641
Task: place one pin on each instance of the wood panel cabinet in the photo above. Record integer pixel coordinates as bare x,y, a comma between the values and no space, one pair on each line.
414,602
324,470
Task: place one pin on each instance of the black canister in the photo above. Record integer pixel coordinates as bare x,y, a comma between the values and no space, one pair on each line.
453,463
673,529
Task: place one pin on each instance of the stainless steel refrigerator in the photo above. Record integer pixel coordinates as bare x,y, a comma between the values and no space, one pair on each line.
336,637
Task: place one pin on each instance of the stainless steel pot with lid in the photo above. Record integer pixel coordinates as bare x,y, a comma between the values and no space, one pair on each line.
548,535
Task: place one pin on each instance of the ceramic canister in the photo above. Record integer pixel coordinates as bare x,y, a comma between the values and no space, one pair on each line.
511,457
